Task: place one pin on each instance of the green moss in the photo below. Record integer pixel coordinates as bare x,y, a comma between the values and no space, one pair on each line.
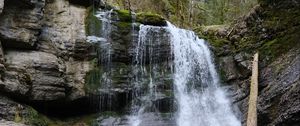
222,75
92,23
151,19
123,25
124,15
33,118
280,45
166,115
93,80
169,93
209,33
27,78
87,120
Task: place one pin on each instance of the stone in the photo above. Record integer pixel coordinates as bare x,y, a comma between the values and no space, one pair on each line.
278,46
76,72
2,67
82,49
228,68
44,73
8,109
63,26
20,26
1,5
278,99
151,19
10,123
16,114
16,83
88,2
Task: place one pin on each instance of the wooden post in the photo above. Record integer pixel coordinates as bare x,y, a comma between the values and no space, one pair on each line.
252,110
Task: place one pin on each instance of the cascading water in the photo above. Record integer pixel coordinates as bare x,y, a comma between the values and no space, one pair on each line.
167,62
104,52
146,70
201,102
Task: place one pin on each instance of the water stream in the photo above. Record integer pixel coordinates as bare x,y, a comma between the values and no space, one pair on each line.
104,53
201,101
167,63
147,71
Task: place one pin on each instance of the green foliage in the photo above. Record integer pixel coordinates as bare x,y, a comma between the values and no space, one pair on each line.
191,13
225,11
33,118
209,33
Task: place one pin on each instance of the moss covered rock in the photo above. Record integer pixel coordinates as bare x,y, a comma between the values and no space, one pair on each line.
92,23
124,15
146,18
151,19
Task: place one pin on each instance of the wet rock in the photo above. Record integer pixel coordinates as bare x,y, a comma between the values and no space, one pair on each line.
16,83
244,60
87,3
15,114
10,123
267,29
1,5
82,49
8,109
19,26
76,72
2,67
228,68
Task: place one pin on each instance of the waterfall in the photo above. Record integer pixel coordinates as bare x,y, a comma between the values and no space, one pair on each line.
147,70
201,102
170,66
200,99
104,53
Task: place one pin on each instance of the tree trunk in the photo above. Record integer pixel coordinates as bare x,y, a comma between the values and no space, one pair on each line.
252,110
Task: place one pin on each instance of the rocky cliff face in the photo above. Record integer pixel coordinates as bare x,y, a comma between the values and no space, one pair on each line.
46,62
41,41
272,28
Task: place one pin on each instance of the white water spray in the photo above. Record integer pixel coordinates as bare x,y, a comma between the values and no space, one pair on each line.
201,102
